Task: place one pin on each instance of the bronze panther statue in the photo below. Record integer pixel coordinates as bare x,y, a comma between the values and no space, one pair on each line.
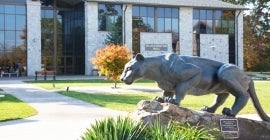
181,75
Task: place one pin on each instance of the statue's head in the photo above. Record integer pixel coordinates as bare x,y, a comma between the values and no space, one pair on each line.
133,69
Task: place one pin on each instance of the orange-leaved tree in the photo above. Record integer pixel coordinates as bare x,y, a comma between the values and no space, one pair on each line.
110,61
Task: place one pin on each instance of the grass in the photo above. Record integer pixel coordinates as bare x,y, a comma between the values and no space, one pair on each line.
13,108
128,101
123,102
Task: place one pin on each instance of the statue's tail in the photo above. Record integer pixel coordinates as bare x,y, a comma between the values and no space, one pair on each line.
256,102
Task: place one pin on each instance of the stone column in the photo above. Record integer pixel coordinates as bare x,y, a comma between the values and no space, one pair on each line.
185,30
33,37
239,39
127,25
91,34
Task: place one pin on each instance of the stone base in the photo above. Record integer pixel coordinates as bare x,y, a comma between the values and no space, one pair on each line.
149,111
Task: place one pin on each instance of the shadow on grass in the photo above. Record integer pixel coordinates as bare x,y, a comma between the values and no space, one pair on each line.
9,98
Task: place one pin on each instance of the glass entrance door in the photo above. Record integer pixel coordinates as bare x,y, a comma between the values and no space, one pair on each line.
63,47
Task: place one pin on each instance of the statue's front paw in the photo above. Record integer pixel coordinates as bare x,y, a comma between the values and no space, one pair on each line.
159,99
171,100
228,112
208,109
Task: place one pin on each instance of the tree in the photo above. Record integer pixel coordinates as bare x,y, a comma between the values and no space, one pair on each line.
111,60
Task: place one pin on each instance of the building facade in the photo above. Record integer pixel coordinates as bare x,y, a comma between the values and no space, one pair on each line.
63,35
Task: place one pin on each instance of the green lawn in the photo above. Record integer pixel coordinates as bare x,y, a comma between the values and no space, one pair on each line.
13,108
60,84
128,101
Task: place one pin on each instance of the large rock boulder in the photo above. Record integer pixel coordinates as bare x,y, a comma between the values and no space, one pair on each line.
149,111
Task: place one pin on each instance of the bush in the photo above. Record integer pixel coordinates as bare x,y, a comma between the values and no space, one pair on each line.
111,129
111,60
126,129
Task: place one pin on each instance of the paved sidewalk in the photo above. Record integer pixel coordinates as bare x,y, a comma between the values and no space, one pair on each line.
59,117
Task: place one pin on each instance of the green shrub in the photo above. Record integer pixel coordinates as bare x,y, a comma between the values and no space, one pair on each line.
111,129
177,131
126,129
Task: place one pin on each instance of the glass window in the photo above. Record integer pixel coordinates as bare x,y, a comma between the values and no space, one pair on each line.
224,25
2,22
143,11
109,16
231,27
20,22
135,11
10,9
9,22
168,12
213,21
175,13
19,39
209,26
218,27
218,14
2,40
209,22
209,14
196,14
161,25
175,25
160,12
156,19
2,8
20,10
101,9
19,0
166,18
196,26
10,40
168,25
202,14
118,8
151,24
47,13
150,12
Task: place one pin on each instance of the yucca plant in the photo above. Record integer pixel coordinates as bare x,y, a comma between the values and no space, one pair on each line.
194,132
126,129
115,129
177,131
157,131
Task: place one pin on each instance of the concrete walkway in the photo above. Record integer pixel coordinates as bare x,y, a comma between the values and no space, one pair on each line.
59,117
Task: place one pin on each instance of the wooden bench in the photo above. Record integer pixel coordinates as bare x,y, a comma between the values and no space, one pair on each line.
45,73
10,74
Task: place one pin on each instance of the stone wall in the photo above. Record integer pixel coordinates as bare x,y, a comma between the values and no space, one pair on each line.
91,41
154,44
239,40
214,46
186,30
127,27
